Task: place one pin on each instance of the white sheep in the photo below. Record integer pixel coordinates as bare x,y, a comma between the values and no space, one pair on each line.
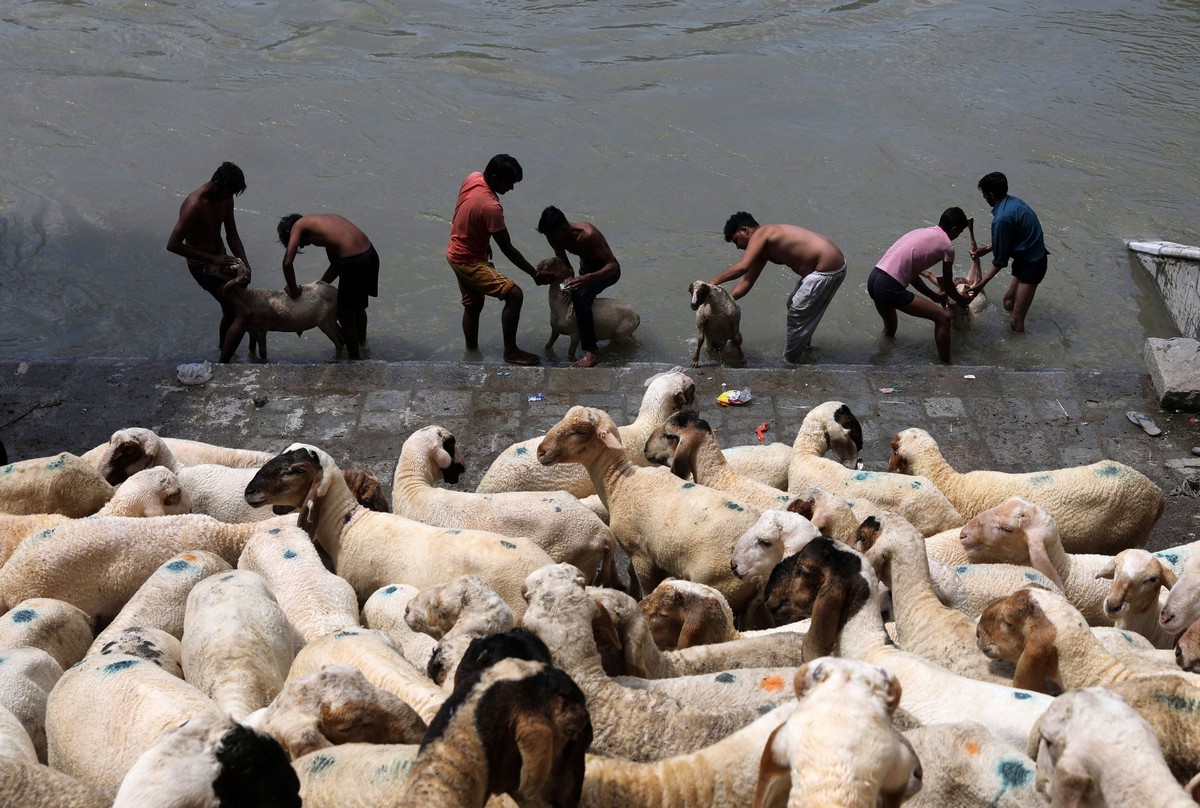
213,489
838,587
108,709
62,484
638,654
686,445
924,625
374,773
766,462
518,727
1093,749
665,525
517,468
276,310
965,765
633,722
237,643
831,426
315,601
32,785
151,644
454,613
776,535
187,452
613,319
337,705
150,492
161,601
57,627
27,675
16,749
210,760
554,520
1182,606
372,549
839,746
384,612
1187,649
718,320
1102,508
1139,583
98,564
377,658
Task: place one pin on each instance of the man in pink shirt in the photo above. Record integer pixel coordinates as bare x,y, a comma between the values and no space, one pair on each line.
478,220
902,265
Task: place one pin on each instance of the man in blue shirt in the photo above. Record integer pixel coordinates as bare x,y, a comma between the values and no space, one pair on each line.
1016,236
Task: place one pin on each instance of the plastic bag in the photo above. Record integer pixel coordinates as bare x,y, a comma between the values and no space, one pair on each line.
194,373
731,397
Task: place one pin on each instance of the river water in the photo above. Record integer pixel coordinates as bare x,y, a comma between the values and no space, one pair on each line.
653,119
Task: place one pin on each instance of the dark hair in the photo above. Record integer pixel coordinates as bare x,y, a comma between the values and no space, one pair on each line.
552,219
994,183
736,222
505,168
284,228
229,178
953,217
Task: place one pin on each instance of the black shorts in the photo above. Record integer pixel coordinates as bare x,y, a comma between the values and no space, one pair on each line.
213,284
358,279
887,291
1030,272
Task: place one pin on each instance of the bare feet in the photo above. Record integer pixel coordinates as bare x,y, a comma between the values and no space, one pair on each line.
519,357
588,360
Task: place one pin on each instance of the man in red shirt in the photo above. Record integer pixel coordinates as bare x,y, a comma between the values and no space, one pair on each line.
478,220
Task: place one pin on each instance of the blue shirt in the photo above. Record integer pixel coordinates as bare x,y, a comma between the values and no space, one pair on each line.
1016,233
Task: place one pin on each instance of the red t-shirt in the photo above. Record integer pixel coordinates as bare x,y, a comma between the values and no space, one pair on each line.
477,215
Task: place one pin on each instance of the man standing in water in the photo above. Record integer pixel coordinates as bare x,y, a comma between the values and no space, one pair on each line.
478,220
352,258
902,265
817,260
197,237
1016,236
598,270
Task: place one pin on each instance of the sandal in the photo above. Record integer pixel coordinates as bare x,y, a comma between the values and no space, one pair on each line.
1143,420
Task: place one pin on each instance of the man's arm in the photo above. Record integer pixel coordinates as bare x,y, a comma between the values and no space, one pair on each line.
949,287
938,297
232,238
598,253
747,269
289,258
513,254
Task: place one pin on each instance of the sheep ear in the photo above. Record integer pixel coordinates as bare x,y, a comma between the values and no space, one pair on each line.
635,656
310,512
802,504
826,622
685,398
867,534
1039,659
774,780
1040,561
893,694
604,625
694,624
1169,578
1109,570
610,438
535,743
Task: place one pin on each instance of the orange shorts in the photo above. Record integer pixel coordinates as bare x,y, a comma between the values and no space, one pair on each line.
477,280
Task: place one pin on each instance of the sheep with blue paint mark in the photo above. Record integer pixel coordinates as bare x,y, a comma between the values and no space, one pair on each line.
965,765
16,748
315,601
237,642
831,426
57,627
372,773
668,527
556,521
128,702
161,601
151,644
63,484
32,785
1104,507
371,549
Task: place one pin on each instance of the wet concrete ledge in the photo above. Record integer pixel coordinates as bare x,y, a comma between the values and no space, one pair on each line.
361,412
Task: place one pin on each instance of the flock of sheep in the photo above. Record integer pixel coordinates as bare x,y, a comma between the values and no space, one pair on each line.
188,625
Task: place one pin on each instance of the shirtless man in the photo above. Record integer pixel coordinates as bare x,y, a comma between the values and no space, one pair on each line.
351,256
817,261
197,237
598,270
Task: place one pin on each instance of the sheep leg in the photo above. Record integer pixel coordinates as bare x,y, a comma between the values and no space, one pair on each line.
554,335
737,343
574,345
696,355
329,328
258,340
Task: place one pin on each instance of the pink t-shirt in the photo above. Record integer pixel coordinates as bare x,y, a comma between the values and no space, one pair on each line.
915,252
477,215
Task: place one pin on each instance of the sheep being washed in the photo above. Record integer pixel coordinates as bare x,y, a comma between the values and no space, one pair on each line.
273,310
612,319
718,318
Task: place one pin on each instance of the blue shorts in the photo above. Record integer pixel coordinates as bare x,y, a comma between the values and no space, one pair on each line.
1030,272
887,291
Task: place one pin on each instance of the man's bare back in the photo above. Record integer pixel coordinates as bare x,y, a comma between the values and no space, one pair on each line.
802,251
340,237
